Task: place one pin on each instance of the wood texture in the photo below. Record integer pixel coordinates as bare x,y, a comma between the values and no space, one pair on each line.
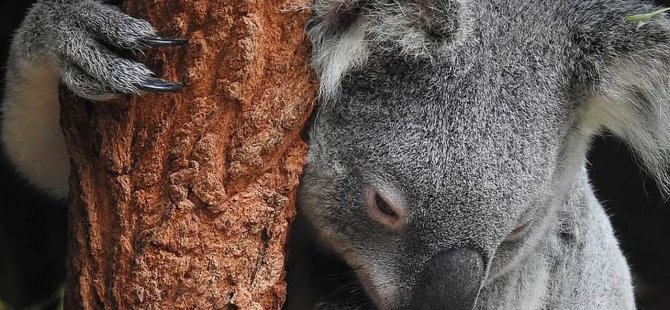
183,201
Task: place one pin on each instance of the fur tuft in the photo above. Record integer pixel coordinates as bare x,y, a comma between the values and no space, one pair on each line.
345,32
633,104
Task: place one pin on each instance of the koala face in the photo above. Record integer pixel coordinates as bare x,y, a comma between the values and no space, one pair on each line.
432,173
419,173
442,153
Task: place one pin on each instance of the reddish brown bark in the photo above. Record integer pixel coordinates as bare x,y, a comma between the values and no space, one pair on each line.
184,200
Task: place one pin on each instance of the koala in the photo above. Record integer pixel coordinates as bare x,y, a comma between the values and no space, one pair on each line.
446,160
447,157
64,41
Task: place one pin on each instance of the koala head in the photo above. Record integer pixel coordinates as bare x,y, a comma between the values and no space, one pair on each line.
450,131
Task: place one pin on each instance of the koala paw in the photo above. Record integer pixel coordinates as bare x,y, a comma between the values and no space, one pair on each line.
81,36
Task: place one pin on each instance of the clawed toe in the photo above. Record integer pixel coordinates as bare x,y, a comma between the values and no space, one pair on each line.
160,85
158,41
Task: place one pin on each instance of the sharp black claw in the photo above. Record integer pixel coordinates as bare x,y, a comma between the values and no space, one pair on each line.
158,41
160,85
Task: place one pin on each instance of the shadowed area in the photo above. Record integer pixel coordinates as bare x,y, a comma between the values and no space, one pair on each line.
32,228
640,215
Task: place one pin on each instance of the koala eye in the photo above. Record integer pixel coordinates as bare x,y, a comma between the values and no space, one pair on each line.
385,212
384,207
517,233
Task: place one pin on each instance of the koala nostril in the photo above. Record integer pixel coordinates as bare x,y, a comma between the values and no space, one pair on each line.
385,212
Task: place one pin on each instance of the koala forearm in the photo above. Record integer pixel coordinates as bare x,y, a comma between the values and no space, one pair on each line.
31,134
59,42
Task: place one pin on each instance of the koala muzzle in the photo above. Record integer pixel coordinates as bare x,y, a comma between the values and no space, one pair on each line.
451,281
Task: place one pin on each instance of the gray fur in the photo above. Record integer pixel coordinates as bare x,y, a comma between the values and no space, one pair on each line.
471,118
480,131
71,33
64,41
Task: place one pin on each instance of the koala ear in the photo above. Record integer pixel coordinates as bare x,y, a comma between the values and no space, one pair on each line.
335,16
439,19
633,102
345,32
338,34
419,27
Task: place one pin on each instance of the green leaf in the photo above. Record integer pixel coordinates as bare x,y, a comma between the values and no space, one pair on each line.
643,19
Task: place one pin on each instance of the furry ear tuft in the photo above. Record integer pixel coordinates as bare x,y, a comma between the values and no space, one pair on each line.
345,32
418,27
338,36
634,103
338,15
438,18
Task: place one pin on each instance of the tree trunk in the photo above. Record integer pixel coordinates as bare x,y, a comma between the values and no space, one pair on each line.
184,200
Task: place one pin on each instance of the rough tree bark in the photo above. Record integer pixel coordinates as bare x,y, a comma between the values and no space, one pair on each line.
184,200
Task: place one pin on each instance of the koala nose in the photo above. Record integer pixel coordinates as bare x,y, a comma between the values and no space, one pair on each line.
451,280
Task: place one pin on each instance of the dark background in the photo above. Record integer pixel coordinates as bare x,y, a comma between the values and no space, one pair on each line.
33,229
